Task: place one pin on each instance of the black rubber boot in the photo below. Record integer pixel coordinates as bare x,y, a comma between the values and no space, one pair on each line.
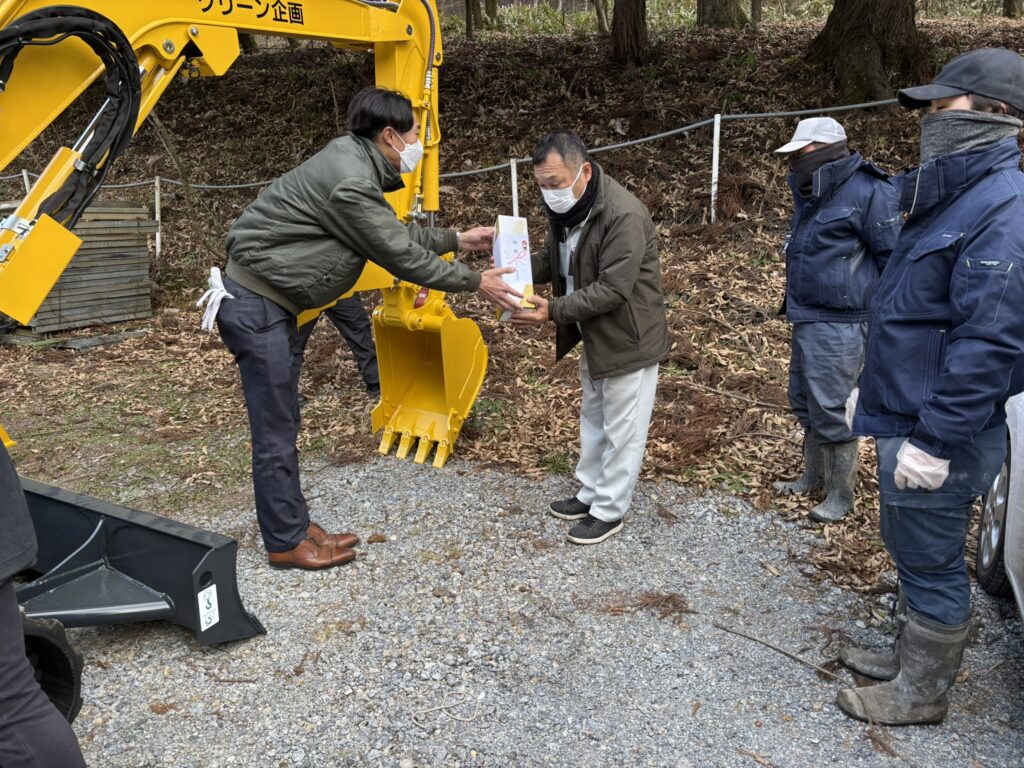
930,655
813,478
881,665
841,468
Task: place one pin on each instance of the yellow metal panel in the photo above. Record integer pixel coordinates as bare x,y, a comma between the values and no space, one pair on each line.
30,271
6,439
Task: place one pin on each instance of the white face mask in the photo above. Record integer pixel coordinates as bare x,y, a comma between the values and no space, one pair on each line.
561,200
410,156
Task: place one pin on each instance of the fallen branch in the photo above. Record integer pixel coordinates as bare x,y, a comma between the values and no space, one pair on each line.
734,396
873,734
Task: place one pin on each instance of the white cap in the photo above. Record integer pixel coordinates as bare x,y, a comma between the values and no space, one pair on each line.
813,130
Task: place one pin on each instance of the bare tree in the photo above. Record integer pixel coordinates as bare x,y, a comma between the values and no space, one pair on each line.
491,9
720,13
755,11
601,8
1013,9
867,43
629,44
474,18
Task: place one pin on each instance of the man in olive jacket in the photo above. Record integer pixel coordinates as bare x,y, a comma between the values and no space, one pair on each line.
300,245
601,257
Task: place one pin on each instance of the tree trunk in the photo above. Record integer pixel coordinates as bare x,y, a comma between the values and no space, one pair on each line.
474,18
601,8
629,43
491,9
755,11
720,13
868,44
248,43
1013,9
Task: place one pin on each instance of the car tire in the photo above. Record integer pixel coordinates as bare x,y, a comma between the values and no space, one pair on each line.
988,563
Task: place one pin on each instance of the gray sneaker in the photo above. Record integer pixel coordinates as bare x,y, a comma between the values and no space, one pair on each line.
569,509
590,530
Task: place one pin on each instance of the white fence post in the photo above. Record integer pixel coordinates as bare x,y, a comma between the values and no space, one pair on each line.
714,167
156,212
515,186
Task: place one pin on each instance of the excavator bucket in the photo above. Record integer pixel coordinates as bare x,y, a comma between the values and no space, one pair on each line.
432,365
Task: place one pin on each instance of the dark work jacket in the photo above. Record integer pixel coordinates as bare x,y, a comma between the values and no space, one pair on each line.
17,535
840,238
946,336
618,302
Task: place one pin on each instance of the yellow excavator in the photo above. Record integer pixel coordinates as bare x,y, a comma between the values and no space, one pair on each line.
101,563
432,364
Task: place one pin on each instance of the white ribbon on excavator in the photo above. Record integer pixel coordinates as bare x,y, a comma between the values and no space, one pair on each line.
213,297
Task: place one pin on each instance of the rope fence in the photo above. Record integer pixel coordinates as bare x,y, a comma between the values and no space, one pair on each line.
512,165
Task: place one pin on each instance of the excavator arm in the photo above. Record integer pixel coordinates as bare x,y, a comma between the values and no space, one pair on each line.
432,364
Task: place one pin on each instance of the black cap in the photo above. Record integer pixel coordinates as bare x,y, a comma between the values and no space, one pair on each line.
996,73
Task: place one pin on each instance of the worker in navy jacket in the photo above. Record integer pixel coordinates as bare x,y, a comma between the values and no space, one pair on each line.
844,225
945,352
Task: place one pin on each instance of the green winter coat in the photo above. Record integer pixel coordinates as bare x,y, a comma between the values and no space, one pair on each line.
304,241
618,303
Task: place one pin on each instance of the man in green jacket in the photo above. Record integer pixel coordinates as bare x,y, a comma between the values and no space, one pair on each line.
301,244
601,257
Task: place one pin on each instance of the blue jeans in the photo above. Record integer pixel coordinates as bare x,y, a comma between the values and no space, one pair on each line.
925,532
823,367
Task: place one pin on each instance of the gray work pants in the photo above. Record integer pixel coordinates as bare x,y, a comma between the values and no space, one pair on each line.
824,363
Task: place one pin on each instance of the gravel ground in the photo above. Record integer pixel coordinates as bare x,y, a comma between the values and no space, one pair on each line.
474,635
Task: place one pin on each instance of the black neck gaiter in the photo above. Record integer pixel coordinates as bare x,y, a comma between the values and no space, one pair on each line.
804,166
578,212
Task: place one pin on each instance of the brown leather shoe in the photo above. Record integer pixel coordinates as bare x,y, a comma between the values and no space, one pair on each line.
336,540
310,556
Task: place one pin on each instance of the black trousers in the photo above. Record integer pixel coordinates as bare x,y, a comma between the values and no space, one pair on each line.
33,734
267,346
350,318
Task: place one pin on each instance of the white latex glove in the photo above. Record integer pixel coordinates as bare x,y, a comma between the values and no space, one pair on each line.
213,297
917,469
851,406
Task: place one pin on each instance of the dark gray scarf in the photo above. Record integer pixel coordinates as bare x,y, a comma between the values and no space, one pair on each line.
959,130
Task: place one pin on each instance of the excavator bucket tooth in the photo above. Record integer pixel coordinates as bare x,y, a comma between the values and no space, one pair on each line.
101,563
404,446
423,450
387,440
432,365
441,454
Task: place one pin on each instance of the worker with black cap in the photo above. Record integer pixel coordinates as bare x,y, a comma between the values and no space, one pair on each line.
945,351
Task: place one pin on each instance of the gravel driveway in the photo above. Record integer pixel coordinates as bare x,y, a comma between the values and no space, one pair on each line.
473,635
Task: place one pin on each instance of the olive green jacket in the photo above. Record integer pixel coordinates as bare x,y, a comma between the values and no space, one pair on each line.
618,303
305,240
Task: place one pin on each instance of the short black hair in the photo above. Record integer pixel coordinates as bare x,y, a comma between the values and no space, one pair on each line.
985,104
567,144
374,109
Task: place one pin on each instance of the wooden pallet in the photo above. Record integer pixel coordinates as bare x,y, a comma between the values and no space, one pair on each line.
108,279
